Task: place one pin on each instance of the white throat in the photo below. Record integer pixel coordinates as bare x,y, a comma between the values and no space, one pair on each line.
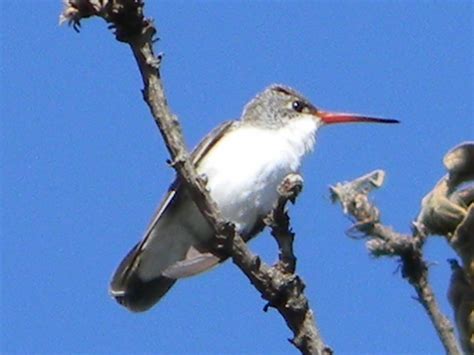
246,166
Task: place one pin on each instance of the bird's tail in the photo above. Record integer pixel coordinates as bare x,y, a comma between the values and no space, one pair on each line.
131,291
170,250
138,294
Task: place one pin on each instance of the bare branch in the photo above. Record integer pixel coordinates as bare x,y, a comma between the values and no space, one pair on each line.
284,292
278,285
279,222
461,297
382,240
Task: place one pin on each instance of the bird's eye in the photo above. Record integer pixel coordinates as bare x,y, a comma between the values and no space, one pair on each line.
298,106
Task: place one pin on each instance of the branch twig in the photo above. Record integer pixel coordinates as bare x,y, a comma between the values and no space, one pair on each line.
278,285
279,222
383,241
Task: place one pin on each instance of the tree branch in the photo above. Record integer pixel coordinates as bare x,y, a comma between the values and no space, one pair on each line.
383,241
278,285
279,222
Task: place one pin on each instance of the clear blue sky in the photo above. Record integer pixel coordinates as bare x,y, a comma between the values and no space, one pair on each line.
83,167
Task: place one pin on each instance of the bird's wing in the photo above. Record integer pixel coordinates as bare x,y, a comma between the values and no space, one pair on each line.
210,140
127,286
197,154
195,261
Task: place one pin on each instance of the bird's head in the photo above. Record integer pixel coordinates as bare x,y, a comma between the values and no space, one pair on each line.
278,105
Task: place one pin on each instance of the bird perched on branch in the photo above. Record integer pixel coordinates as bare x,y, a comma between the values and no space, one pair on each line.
243,162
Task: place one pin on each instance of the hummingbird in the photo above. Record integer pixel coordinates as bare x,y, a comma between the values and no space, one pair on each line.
242,162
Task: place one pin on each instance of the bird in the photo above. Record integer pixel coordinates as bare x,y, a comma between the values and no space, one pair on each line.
243,162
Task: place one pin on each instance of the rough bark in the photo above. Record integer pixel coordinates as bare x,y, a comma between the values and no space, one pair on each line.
283,289
383,241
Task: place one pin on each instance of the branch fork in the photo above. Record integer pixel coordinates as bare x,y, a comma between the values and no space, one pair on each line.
447,210
278,285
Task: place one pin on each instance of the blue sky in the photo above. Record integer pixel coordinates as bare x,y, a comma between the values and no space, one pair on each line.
83,167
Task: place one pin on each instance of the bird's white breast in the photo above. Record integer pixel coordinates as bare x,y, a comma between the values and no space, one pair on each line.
246,166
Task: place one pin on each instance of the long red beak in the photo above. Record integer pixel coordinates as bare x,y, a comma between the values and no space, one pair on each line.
339,117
